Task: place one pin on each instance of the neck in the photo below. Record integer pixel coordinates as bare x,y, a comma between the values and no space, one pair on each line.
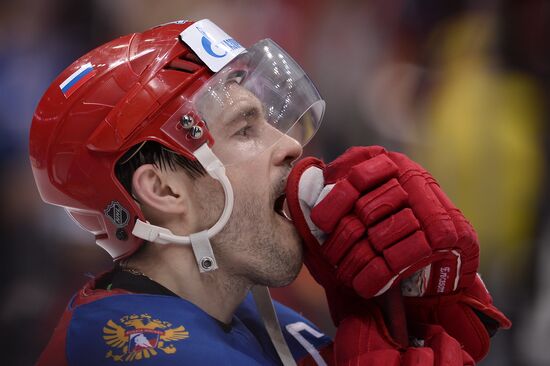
218,293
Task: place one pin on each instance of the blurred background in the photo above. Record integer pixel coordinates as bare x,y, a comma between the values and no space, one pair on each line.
461,86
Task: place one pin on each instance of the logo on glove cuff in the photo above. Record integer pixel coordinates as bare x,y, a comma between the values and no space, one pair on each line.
443,277
140,336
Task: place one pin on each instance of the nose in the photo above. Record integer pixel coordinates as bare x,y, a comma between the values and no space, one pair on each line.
286,151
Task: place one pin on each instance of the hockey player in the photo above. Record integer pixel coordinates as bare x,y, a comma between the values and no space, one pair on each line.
174,148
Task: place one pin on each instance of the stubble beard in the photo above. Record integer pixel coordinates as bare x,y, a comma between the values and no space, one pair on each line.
253,245
253,249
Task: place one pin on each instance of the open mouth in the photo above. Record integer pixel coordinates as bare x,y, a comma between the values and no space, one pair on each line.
281,207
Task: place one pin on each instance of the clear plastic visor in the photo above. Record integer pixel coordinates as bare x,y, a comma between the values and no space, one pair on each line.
259,99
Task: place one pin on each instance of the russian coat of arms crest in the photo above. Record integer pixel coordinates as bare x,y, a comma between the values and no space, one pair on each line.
138,337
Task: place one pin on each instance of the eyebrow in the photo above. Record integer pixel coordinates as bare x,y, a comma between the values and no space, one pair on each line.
249,106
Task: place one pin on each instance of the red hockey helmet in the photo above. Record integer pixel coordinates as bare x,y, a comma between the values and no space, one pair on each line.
159,85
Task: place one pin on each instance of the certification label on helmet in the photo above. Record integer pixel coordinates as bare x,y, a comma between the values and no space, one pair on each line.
213,46
117,213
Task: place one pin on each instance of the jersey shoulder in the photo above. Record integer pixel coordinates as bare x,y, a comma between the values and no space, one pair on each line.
156,330
302,336
128,327
102,327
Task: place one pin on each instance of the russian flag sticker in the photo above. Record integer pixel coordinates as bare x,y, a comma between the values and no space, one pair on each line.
77,79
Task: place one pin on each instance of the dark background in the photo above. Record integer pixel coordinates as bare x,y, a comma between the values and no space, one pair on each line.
461,86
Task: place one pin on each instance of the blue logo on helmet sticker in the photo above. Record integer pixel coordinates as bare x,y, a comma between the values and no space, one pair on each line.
223,46
211,44
207,45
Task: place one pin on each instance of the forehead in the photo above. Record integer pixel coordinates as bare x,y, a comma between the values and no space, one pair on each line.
223,99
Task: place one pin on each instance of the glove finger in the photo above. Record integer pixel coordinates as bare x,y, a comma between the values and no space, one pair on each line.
392,229
364,340
467,360
461,322
339,168
347,233
433,217
358,257
383,272
368,273
373,277
334,206
480,299
467,241
408,251
373,172
418,356
382,357
447,350
381,202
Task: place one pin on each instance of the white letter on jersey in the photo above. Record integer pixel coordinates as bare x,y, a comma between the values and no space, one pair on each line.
295,329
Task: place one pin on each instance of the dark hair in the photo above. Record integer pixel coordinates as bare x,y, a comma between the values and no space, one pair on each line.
151,152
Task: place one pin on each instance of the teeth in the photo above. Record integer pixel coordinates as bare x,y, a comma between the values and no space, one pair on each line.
285,211
281,207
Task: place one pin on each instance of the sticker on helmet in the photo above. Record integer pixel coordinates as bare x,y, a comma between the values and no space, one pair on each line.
117,214
77,79
213,46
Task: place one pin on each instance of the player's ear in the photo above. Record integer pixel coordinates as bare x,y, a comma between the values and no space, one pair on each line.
159,190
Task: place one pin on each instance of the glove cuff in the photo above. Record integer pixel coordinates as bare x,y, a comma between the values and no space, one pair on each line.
463,315
478,297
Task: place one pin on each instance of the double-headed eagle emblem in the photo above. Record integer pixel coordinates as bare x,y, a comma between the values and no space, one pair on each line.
141,336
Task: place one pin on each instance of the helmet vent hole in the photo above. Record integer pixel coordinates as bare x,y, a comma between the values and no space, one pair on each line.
182,65
187,63
192,57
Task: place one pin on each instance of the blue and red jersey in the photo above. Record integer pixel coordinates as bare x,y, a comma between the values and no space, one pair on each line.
115,326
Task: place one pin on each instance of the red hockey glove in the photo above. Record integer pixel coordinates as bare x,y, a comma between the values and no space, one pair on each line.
371,218
468,316
364,340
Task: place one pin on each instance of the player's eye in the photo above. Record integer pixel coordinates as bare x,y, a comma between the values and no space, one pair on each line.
250,113
245,131
249,118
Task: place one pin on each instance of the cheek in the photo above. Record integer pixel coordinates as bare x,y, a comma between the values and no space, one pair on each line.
252,197
250,183
208,202
237,152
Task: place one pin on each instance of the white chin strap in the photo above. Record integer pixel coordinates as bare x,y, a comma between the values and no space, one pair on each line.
199,241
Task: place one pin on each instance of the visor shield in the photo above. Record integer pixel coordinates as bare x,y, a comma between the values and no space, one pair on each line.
261,96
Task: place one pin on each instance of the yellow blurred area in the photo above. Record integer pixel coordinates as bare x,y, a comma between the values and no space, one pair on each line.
487,123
